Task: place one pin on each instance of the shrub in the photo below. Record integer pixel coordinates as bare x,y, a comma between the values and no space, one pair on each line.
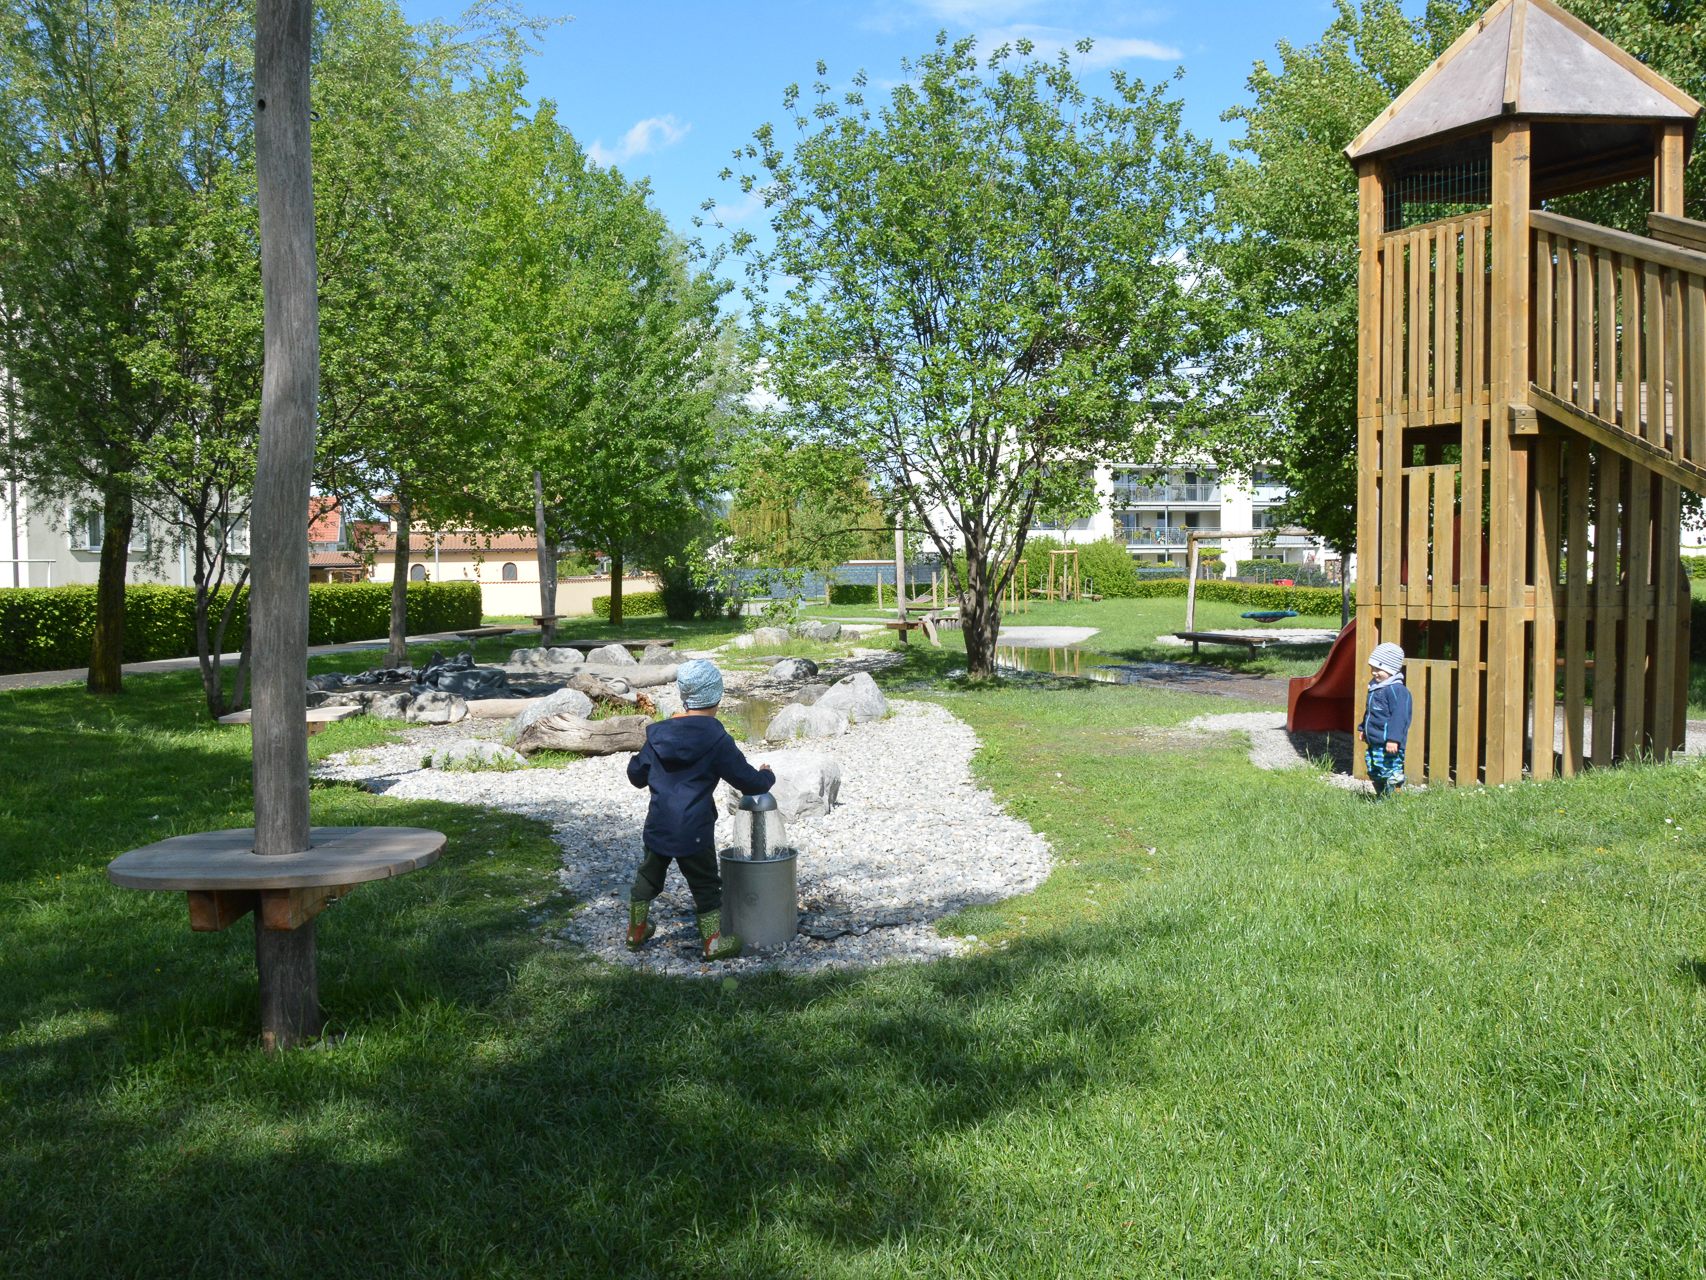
1109,567
853,593
45,628
635,604
1696,566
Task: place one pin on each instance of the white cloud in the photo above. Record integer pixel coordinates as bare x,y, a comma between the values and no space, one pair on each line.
648,135
731,215
1107,51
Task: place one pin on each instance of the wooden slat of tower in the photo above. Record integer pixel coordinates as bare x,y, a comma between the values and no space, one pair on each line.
1418,327
1547,536
1564,374
1694,342
1472,607
1443,594
1441,700
1654,347
1637,571
1670,668
1581,392
1609,468
1446,304
1416,551
1630,356
1605,387
1674,349
1576,604
1545,299
1417,675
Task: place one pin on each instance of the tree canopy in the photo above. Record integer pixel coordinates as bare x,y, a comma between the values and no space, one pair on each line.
977,285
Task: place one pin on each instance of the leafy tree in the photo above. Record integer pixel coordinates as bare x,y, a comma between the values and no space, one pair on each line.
977,286
115,119
804,503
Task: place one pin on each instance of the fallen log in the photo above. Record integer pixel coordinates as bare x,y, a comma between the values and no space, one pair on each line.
588,737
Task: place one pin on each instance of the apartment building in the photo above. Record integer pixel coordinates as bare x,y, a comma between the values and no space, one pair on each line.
1153,510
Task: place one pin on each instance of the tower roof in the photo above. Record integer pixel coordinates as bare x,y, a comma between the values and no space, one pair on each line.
1524,58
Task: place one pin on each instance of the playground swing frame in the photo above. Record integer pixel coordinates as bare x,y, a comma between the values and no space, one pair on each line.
1193,556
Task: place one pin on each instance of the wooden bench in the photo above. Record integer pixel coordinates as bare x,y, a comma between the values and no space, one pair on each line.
1200,638
319,718
626,644
479,633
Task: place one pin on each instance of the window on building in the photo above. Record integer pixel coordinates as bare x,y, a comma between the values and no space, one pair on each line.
509,573
88,532
417,573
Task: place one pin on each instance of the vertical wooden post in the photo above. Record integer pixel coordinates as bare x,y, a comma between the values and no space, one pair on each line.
1191,554
290,1008
1671,595
1507,702
900,592
1371,215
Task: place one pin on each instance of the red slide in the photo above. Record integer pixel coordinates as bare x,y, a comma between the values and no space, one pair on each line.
1324,701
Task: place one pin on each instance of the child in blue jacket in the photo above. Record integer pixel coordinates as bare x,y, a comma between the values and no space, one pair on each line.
1386,723
683,760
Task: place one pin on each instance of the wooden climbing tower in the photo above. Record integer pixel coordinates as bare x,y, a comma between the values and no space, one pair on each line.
1531,399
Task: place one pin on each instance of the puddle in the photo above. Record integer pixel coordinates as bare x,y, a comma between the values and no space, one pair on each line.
748,721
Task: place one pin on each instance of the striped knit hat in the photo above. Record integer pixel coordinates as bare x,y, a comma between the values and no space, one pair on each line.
1388,657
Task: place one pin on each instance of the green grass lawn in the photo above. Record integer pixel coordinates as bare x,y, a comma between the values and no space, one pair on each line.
1251,1026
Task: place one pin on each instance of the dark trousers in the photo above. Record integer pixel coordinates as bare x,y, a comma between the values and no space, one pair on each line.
700,872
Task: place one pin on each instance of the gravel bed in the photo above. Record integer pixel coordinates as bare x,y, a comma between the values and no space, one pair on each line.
914,839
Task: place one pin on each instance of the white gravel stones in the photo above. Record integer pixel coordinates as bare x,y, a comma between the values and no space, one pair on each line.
474,757
611,655
564,702
807,784
433,707
798,721
905,847
857,697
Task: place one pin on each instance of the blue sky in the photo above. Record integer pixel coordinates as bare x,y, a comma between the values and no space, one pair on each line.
667,90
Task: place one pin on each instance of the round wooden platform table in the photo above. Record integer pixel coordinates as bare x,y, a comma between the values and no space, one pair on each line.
224,879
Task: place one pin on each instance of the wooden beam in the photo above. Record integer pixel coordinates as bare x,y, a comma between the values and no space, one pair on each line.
1684,233
214,910
1641,247
1609,435
292,908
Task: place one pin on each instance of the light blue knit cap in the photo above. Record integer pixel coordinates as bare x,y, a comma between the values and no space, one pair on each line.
701,684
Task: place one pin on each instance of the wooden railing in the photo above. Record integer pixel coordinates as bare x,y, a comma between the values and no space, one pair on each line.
1620,336
1436,293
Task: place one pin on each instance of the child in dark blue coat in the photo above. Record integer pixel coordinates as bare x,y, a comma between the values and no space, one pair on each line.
683,760
1386,723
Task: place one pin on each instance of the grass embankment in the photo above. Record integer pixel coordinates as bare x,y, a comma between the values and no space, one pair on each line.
1252,1025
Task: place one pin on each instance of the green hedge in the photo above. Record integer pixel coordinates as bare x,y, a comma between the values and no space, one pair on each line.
635,604
48,628
1311,602
1696,566
853,593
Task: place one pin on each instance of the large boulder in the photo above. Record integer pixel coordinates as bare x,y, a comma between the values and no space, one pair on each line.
610,655
856,696
543,659
808,784
391,706
745,640
794,669
795,721
812,629
331,680
434,707
564,702
809,694
769,637
475,682
667,699
476,757
657,655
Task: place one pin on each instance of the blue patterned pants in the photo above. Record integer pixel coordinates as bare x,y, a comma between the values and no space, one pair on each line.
1385,769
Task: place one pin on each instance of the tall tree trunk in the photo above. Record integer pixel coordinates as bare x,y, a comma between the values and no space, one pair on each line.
546,552
616,587
397,648
981,613
106,655
290,1006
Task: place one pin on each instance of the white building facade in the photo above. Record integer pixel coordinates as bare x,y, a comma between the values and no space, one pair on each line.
1153,510
56,543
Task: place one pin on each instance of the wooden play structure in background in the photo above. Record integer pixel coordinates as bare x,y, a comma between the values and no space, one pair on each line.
1531,399
1063,581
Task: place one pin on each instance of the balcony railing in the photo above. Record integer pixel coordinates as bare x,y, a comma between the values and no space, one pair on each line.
1132,495
1164,536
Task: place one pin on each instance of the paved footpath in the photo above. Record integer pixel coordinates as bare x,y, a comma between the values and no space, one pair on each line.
77,675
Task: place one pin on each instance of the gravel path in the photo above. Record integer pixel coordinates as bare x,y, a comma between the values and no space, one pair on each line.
914,839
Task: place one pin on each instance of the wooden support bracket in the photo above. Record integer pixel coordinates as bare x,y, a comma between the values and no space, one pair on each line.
283,909
213,910
1524,420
